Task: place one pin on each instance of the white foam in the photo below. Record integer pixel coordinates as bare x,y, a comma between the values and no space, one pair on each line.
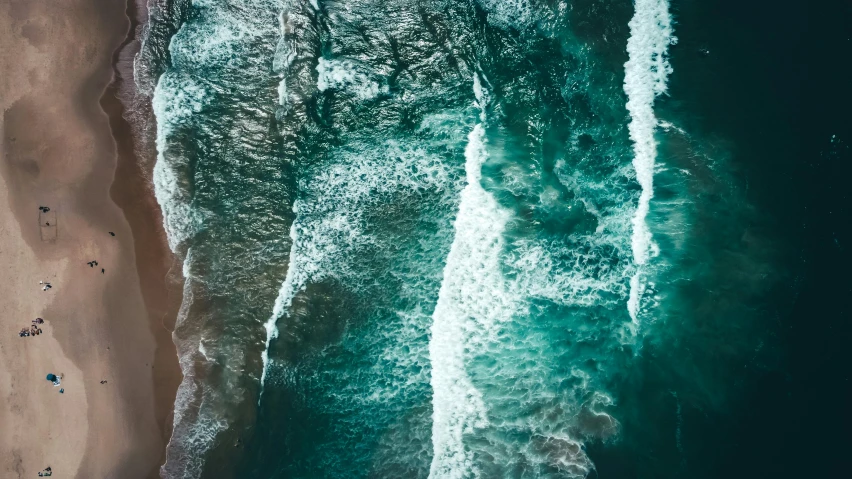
211,41
202,349
214,38
517,14
296,278
176,99
218,34
192,435
329,222
285,53
346,75
645,77
186,458
472,301
666,125
206,42
572,274
481,96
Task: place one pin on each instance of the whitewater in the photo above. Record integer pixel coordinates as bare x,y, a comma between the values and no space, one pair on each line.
471,302
390,273
645,75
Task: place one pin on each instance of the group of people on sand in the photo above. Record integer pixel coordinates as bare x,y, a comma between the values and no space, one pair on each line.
94,263
33,330
47,472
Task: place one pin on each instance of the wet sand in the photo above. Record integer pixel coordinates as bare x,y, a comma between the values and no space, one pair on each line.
57,149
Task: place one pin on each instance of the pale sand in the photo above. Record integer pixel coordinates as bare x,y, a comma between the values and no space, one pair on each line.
56,150
40,426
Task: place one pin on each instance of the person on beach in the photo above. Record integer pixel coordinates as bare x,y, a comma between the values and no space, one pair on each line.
111,233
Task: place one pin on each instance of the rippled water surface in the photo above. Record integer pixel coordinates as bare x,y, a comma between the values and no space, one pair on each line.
455,239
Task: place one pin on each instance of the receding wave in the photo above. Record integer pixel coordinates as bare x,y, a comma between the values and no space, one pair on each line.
194,53
175,100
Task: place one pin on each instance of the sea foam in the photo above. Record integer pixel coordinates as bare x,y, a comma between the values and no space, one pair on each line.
346,75
203,52
330,225
472,300
518,14
176,99
645,77
194,427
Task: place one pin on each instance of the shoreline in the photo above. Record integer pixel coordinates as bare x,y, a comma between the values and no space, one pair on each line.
107,333
159,270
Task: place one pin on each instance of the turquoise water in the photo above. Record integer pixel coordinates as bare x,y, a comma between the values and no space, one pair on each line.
453,239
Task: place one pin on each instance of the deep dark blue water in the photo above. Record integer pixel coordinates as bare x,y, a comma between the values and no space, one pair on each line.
491,239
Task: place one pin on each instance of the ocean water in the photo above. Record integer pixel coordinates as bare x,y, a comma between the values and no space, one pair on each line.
469,239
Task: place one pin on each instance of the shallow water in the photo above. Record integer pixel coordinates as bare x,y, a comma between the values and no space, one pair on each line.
460,239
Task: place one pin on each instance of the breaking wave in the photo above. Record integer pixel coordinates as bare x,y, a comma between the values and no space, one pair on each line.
645,75
330,224
471,302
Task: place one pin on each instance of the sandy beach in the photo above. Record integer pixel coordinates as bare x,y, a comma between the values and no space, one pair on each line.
107,327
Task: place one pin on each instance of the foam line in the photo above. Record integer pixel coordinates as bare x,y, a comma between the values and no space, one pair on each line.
294,281
645,75
472,300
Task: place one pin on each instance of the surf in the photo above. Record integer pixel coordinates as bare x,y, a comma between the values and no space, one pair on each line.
645,75
471,301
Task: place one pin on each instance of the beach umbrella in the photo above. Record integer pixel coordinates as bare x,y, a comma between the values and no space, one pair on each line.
51,377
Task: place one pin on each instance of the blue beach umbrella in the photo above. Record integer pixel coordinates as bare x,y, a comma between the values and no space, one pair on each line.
51,377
